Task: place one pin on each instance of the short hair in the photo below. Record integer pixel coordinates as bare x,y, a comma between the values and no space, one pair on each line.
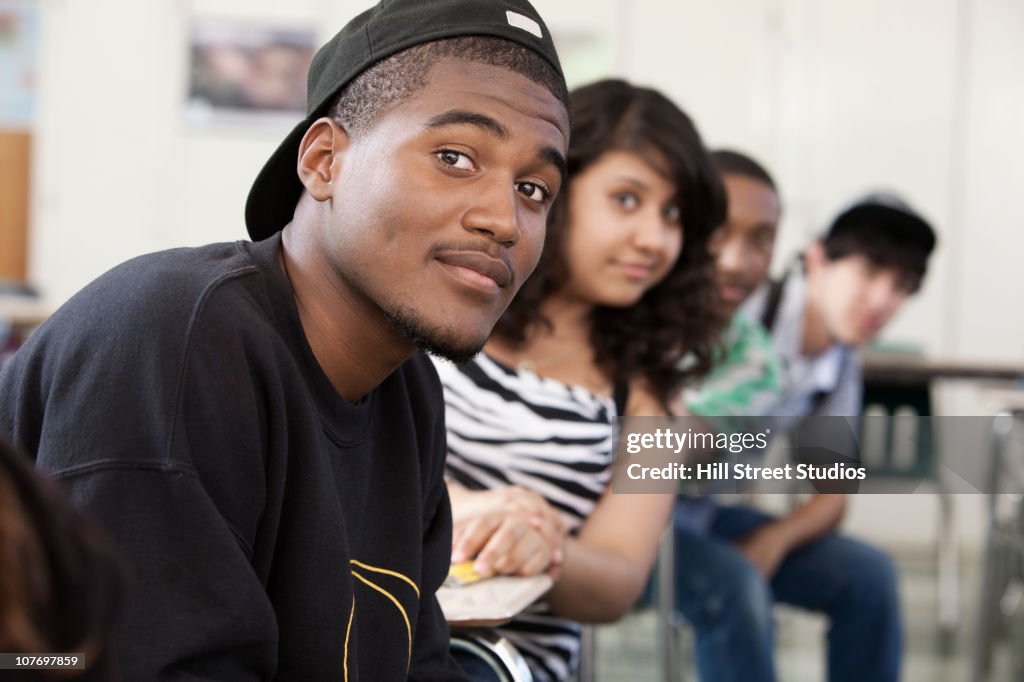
679,316
885,230
396,78
731,162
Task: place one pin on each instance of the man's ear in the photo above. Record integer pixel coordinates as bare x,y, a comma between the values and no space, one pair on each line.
322,144
815,258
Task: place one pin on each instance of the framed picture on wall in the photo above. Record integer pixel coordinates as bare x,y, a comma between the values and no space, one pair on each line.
19,43
246,71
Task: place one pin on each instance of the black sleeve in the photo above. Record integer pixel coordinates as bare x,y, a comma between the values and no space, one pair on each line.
123,411
432,660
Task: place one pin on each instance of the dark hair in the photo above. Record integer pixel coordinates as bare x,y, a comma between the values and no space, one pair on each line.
886,231
681,315
398,77
731,162
63,582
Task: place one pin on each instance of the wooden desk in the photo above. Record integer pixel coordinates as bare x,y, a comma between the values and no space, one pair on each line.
908,370
1004,400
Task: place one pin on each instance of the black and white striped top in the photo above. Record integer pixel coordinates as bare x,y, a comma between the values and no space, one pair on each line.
512,427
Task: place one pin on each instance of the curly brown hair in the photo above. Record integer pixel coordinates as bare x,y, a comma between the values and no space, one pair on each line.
670,337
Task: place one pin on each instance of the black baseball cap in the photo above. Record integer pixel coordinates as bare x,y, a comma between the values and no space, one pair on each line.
888,212
886,229
381,31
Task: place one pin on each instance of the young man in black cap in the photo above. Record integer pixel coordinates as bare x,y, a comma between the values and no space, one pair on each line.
853,281
252,420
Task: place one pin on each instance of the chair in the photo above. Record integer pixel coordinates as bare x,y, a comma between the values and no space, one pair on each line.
495,652
899,442
587,671
661,595
1003,563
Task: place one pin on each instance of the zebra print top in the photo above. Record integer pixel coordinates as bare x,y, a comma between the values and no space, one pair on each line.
512,427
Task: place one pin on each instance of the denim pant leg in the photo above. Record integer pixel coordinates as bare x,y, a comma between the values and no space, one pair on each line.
856,586
851,582
729,606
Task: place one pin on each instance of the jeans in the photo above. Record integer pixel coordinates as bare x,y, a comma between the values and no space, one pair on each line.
729,604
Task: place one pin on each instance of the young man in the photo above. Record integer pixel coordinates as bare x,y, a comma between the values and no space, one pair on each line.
747,380
733,562
252,420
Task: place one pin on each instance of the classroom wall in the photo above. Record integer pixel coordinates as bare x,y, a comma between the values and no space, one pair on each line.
838,98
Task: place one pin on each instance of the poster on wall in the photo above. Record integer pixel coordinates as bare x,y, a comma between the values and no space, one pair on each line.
19,42
247,72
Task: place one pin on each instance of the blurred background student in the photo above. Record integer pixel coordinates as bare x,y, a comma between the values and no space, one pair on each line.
61,581
624,289
734,562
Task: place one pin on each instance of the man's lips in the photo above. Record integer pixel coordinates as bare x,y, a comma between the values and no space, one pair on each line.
871,325
480,262
732,292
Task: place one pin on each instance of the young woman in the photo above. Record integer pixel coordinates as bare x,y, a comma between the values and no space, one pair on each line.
623,293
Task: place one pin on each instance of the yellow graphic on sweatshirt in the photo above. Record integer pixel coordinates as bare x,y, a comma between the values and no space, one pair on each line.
391,597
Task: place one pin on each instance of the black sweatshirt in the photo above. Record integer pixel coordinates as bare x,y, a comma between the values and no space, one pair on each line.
276,531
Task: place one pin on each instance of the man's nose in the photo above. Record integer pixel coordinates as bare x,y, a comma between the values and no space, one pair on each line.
730,257
494,212
885,294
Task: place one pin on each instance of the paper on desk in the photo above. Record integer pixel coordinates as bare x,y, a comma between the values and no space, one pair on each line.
492,601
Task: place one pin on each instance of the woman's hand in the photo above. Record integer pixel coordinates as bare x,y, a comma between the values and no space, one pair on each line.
509,531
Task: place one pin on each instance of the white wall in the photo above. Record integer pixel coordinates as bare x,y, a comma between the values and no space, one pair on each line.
838,97
117,172
990,276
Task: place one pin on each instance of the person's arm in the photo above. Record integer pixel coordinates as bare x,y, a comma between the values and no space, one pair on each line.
113,412
847,398
767,546
431,658
608,563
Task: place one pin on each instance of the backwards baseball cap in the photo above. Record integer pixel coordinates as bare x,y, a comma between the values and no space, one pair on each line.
386,29
886,229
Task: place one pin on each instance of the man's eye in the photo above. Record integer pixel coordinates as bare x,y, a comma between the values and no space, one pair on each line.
534,192
871,270
455,159
907,284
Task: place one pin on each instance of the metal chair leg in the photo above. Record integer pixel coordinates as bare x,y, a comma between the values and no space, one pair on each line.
668,641
995,568
949,597
588,652
503,658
